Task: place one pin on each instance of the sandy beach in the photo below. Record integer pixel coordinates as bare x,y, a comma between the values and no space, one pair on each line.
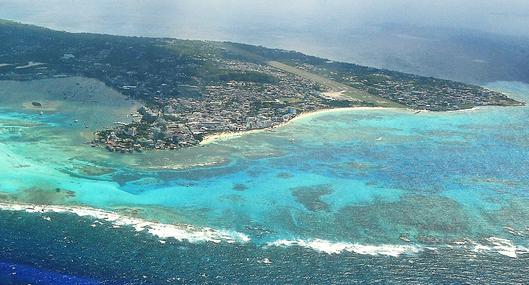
223,136
229,135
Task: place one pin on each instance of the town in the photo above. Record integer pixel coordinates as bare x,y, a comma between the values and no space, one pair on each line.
192,89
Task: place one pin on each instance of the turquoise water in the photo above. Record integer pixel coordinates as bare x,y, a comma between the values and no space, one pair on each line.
331,183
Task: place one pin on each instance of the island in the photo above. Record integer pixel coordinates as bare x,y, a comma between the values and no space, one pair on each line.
193,89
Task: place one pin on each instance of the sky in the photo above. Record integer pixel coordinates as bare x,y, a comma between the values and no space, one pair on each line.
217,19
470,40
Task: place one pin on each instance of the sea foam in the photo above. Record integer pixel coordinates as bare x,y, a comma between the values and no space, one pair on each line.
330,247
194,234
499,245
487,246
179,232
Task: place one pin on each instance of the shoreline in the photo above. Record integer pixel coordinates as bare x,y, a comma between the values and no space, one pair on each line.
224,136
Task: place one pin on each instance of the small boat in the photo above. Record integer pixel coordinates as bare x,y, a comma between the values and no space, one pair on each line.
418,112
379,139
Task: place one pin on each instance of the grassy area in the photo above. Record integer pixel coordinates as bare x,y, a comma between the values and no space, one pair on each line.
335,86
291,100
348,91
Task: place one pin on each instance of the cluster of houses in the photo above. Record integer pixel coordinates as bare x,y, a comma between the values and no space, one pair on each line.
416,92
231,106
177,122
445,97
193,89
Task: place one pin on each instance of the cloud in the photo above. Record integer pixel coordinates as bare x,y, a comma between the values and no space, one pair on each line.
221,18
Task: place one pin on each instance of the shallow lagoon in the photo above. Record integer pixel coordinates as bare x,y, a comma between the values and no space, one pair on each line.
333,182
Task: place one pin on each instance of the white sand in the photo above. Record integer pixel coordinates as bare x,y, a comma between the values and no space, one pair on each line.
231,135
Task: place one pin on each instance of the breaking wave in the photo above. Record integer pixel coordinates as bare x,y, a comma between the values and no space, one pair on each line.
180,232
195,234
329,247
489,245
494,244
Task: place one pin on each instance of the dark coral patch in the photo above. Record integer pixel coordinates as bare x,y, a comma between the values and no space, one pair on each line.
310,196
240,187
284,175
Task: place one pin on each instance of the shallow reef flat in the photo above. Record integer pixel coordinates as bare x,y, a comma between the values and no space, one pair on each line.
404,189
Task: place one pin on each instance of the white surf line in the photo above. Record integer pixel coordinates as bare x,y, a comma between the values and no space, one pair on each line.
30,64
499,245
329,247
490,245
195,234
163,231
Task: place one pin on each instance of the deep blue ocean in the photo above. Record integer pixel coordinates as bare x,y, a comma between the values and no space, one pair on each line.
365,196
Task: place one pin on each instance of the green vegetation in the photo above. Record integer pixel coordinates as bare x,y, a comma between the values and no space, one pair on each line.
248,76
195,88
377,86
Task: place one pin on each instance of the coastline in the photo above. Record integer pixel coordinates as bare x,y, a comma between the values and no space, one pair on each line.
224,136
